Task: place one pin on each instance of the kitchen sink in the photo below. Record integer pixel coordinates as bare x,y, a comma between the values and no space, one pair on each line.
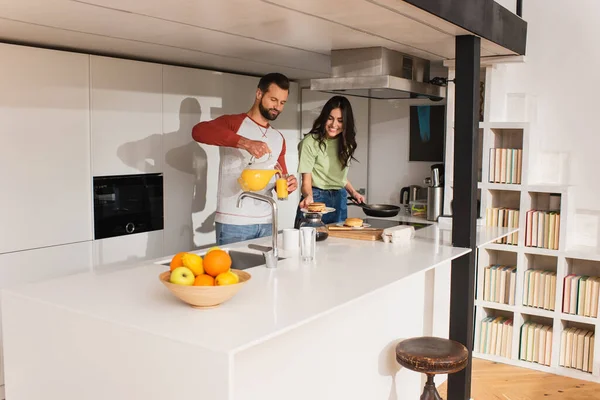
245,260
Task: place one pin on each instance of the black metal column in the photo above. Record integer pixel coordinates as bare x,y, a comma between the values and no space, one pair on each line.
464,206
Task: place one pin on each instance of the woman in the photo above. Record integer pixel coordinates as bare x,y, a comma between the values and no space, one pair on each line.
325,155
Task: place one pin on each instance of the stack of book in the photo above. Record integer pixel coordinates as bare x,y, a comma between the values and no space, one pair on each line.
504,218
542,229
580,295
539,289
577,349
505,165
495,336
499,282
536,343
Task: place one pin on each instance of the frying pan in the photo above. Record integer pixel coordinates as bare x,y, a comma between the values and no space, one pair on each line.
377,210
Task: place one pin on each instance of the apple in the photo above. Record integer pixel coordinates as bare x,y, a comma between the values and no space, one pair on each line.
182,276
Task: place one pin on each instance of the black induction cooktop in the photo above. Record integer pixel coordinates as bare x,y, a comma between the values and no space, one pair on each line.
386,223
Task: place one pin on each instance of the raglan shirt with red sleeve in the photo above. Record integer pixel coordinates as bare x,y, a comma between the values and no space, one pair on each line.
226,132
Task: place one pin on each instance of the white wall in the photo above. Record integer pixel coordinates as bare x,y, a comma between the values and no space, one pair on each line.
389,167
510,5
560,71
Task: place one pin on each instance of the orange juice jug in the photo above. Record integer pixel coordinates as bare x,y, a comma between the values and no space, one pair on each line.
255,179
257,175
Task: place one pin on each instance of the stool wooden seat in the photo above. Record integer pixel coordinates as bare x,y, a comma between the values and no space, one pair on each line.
431,356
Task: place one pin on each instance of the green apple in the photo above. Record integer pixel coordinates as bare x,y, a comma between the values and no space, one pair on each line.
182,276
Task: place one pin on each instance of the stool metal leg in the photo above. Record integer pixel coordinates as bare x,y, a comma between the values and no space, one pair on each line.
430,392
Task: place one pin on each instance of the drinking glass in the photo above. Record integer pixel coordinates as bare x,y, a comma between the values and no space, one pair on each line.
281,187
308,243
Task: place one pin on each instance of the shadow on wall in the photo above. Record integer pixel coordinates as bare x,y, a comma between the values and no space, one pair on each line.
189,158
192,160
388,366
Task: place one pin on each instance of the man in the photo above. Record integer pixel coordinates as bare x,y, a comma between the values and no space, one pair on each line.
242,136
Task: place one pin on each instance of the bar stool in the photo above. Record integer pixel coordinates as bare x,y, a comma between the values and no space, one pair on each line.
431,356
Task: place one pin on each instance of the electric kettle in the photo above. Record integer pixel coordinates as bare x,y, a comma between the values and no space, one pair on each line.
409,193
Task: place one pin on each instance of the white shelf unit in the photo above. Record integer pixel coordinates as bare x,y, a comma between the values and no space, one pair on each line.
567,259
495,131
564,261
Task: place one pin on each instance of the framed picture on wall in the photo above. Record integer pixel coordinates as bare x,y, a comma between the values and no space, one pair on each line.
427,132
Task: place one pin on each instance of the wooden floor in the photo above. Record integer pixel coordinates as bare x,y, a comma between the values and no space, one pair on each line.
493,381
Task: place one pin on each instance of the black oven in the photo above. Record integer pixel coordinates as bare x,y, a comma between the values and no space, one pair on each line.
127,204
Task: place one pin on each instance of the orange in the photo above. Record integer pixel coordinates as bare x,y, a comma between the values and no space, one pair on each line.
177,260
216,262
204,280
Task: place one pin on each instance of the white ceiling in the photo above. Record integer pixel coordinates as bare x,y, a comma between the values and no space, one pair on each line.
294,37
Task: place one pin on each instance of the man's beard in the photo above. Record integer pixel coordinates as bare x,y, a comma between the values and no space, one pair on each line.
265,112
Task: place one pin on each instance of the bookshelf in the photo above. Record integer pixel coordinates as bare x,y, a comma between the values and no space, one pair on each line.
517,187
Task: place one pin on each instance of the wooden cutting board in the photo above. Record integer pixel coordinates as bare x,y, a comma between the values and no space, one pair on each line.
357,234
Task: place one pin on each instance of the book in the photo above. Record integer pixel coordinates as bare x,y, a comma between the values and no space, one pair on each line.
563,348
523,341
534,228
548,355
502,165
519,165
567,293
513,285
492,164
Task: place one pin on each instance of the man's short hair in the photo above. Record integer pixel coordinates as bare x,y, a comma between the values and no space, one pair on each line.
274,77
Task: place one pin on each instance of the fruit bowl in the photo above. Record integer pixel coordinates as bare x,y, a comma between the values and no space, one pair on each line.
205,296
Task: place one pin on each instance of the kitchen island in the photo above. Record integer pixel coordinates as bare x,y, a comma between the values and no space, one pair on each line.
321,330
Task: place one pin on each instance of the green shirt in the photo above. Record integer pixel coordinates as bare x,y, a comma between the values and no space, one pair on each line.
324,165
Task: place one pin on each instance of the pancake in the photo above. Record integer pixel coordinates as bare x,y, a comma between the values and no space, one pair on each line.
354,222
316,207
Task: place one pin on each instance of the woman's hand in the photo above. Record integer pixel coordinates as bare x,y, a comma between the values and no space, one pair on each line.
357,197
306,201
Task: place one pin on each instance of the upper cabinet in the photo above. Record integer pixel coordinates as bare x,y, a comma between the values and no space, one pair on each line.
126,116
45,153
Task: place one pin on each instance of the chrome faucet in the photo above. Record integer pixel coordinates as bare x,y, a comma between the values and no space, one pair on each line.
272,255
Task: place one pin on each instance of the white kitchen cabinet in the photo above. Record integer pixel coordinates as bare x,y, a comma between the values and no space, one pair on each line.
312,104
45,153
118,252
42,264
126,116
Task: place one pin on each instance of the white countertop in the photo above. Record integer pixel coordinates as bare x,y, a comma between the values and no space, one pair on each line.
272,302
442,234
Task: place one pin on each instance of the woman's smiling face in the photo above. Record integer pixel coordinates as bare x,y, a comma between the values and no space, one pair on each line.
335,124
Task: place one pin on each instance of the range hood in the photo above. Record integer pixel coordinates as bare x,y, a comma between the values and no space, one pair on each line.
378,73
